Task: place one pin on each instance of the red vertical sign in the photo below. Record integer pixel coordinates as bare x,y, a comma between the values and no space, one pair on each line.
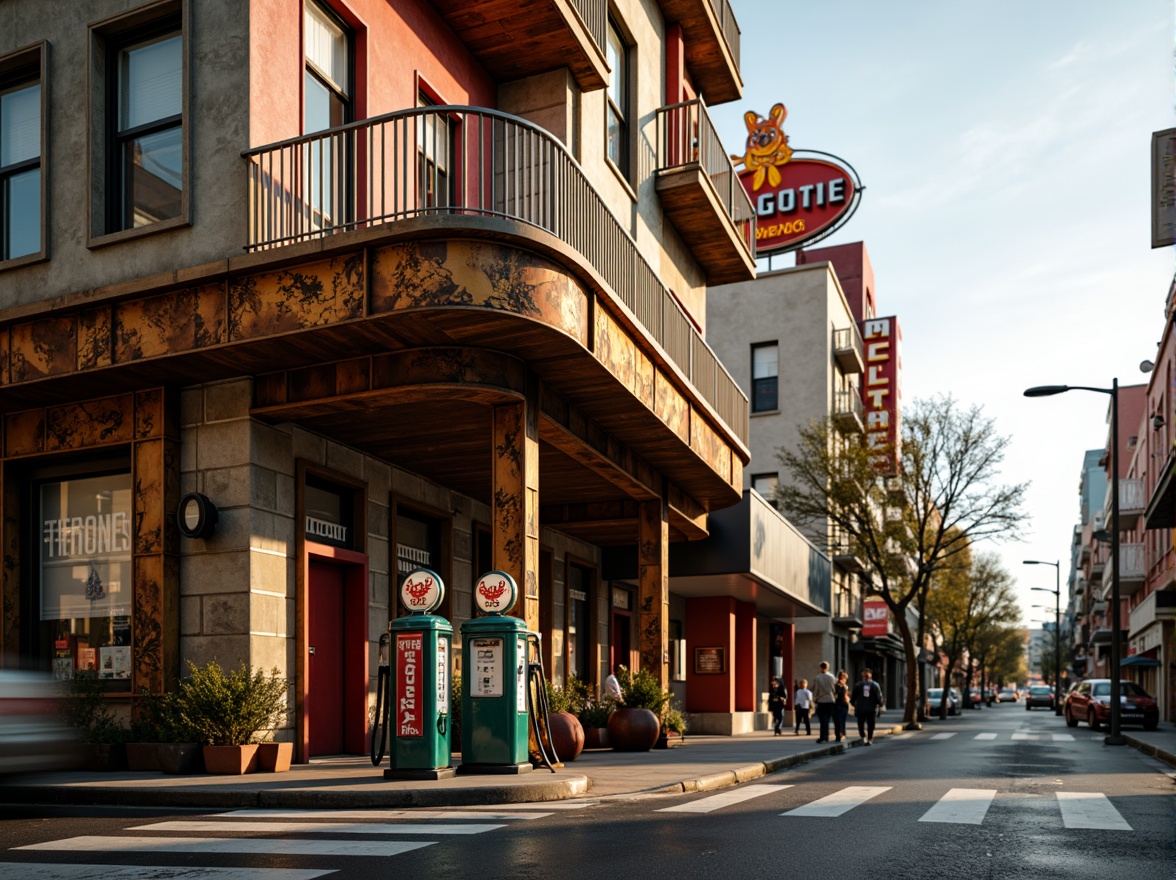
882,390
408,684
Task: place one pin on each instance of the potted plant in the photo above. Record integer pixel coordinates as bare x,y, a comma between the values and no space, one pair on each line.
593,717
673,728
86,709
635,724
567,735
227,710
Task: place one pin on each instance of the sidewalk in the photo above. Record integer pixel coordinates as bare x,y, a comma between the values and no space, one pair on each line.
702,763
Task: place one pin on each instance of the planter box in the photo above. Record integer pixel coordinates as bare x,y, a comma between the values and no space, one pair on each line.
181,757
274,757
230,760
143,757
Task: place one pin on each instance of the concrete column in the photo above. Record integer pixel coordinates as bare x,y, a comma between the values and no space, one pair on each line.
515,504
653,561
746,698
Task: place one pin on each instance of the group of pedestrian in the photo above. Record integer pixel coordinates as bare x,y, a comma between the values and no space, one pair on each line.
831,697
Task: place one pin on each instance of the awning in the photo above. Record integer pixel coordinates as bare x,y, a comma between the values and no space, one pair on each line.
1139,660
1161,509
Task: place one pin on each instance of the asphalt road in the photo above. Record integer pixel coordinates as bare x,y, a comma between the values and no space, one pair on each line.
995,793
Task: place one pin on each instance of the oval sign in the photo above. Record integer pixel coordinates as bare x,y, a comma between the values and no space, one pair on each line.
806,199
496,592
422,591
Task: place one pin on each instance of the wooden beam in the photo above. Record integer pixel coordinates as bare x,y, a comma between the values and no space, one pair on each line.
514,529
653,601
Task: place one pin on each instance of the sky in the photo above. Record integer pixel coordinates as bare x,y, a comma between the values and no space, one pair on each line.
1004,148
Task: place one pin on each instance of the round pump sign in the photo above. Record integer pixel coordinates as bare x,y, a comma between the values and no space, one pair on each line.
496,592
422,591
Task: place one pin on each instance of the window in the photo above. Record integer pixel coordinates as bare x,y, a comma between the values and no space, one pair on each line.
617,100
580,641
766,485
20,158
146,154
435,148
326,105
765,359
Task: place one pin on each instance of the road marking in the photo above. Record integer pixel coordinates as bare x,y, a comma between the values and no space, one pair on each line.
986,736
839,802
1089,809
724,799
376,815
1062,737
244,826
241,846
542,805
906,735
961,806
21,870
943,735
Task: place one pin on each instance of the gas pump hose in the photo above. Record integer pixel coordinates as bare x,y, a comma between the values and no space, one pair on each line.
537,704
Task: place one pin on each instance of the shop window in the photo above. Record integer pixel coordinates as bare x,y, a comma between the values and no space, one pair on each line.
766,485
418,545
580,641
327,87
21,146
330,513
765,367
83,590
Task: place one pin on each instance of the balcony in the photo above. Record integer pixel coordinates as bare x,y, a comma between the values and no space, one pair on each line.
847,610
1132,571
847,350
842,552
526,37
711,37
848,412
701,193
1132,502
463,169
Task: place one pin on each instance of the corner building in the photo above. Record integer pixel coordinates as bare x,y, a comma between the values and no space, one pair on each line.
390,284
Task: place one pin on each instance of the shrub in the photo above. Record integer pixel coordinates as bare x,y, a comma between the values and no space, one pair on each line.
454,712
228,709
674,720
642,690
84,708
572,697
595,713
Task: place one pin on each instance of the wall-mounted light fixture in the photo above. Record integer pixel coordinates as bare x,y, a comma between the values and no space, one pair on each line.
196,516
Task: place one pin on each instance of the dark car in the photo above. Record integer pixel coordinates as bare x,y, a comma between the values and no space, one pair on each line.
1091,702
935,698
1039,695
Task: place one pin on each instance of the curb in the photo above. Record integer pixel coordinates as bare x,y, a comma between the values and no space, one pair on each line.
1149,749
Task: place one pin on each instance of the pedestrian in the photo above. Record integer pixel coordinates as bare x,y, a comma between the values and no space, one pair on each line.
841,704
612,688
867,701
824,695
802,705
777,703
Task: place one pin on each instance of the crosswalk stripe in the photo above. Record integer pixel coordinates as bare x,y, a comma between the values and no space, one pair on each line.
943,735
1062,737
906,735
1032,736
986,736
961,806
839,802
543,805
724,799
373,815
21,871
237,846
1083,809
313,827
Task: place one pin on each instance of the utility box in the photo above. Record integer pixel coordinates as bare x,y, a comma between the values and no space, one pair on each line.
419,683
494,710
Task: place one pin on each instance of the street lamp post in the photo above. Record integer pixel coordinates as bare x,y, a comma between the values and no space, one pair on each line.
1057,591
1116,737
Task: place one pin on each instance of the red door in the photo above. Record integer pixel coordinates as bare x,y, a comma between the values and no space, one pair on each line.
324,701
620,649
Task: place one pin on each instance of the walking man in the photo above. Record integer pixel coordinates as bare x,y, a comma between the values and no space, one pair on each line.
825,696
802,704
867,700
777,702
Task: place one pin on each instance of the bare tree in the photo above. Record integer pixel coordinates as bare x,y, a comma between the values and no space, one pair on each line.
943,498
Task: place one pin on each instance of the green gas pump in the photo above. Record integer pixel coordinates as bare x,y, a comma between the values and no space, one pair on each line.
494,670
418,683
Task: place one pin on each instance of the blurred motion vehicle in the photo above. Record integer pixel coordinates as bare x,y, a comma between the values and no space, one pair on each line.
1091,702
935,700
33,736
1006,695
1039,695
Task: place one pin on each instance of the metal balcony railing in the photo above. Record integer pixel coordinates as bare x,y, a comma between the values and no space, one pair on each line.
594,16
848,410
728,25
847,349
685,136
457,160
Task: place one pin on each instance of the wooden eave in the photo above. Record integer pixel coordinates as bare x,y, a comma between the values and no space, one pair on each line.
689,201
714,69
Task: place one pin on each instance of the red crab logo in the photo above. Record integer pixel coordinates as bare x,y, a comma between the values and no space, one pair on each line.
418,590
491,594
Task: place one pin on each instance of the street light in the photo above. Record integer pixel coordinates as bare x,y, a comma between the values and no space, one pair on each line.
1115,738
1057,592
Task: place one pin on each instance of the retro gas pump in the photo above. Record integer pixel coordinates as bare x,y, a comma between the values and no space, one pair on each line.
494,670
418,684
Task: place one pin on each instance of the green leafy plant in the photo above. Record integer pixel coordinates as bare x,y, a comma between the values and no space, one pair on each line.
594,713
84,707
642,690
572,697
455,712
229,708
674,720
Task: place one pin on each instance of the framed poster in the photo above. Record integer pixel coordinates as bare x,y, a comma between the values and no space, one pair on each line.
710,661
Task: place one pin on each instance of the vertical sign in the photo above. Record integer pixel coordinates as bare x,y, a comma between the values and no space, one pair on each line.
408,678
882,390
1163,187
521,677
875,618
486,676
443,676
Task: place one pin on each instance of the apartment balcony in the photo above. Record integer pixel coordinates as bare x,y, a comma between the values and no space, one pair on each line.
842,552
1132,571
847,350
711,35
848,412
460,169
526,37
847,610
701,193
1132,501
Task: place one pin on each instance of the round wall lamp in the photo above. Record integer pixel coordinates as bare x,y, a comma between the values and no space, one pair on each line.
196,516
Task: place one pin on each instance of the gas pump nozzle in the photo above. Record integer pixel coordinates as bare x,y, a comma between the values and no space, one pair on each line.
383,699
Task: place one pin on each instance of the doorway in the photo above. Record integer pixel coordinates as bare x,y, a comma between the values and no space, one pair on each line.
620,640
325,658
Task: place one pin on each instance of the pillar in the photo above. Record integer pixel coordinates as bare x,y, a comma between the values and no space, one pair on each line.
653,601
514,529
746,698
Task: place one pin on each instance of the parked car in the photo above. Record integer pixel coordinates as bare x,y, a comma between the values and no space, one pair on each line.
33,736
1091,702
1007,695
935,700
1039,695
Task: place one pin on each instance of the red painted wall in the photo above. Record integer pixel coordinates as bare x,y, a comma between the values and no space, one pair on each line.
852,265
744,671
710,623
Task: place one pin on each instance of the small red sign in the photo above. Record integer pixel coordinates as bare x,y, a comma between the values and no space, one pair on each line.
811,197
875,618
409,647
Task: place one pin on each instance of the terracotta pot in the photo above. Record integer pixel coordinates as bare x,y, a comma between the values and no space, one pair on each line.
633,730
230,760
596,738
181,757
274,757
567,735
143,756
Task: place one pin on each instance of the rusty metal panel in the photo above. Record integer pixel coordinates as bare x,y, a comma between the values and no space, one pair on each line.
671,407
311,295
653,596
89,423
149,624
149,420
5,356
615,350
184,320
48,347
24,433
147,460
709,445
94,340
